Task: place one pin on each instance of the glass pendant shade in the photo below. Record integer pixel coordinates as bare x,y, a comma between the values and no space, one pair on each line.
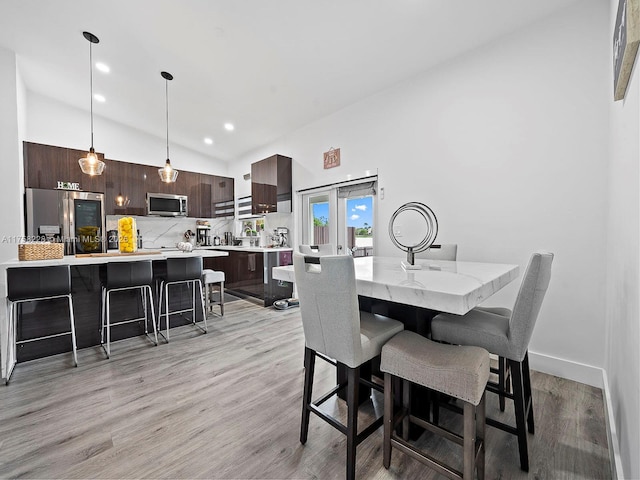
91,164
167,173
121,200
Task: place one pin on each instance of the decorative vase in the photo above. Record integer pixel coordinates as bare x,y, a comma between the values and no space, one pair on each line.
127,235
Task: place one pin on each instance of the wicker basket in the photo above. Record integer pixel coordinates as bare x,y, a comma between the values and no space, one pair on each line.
40,251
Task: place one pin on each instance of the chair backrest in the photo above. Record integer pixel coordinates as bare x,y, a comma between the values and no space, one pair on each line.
36,282
317,250
329,306
528,302
446,251
129,274
186,268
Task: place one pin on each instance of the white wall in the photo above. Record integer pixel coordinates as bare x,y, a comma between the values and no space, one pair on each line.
54,123
622,362
11,180
508,145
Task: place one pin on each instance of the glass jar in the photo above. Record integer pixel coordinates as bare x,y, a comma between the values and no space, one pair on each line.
127,235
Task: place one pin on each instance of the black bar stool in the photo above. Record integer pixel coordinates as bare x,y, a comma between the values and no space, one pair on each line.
30,284
186,270
127,276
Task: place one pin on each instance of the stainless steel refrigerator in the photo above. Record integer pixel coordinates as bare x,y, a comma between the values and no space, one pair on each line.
75,218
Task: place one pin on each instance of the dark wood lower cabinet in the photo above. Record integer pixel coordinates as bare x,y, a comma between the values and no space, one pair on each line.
249,274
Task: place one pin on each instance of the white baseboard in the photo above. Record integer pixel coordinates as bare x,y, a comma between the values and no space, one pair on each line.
578,372
589,375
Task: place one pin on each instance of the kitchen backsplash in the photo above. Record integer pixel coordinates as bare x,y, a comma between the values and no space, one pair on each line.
160,232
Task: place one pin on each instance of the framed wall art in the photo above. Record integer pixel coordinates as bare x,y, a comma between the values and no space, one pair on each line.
626,38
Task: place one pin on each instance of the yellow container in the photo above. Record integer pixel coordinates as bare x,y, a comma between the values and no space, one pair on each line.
127,235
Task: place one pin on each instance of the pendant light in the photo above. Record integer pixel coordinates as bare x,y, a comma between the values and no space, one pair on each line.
167,173
121,200
91,164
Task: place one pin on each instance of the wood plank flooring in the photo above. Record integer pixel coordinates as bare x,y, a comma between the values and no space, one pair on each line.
227,405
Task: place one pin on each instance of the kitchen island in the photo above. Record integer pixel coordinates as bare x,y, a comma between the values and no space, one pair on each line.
50,316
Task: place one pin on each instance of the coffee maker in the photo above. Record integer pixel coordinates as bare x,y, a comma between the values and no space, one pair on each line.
283,236
203,235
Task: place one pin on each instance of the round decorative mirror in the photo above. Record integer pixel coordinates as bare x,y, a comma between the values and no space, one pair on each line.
413,228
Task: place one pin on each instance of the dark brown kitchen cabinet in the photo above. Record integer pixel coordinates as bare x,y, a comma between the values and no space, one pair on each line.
222,197
271,187
45,166
243,271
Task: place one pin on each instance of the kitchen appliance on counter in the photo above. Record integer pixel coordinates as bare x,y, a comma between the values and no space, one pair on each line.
282,234
112,239
203,235
228,238
167,205
72,217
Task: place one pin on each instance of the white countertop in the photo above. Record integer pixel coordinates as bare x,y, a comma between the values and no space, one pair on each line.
453,287
249,249
152,255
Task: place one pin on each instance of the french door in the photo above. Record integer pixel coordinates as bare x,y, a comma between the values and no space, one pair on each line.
342,215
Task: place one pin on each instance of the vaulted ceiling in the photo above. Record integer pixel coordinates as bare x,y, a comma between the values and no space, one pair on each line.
267,66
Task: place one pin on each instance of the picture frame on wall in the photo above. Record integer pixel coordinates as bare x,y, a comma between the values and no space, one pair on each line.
626,38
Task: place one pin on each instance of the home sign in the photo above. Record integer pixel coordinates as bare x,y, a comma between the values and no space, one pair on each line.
68,185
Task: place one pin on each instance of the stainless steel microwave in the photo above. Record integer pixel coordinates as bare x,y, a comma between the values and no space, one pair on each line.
167,205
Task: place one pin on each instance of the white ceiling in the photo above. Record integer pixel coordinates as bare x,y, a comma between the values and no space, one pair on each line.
269,67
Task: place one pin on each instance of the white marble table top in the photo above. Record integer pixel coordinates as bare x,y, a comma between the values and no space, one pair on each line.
453,287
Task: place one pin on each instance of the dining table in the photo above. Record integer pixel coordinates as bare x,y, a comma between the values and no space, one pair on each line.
439,285
415,296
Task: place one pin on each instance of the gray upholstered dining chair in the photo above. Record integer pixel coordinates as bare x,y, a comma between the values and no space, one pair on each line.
337,331
317,250
506,333
460,372
446,251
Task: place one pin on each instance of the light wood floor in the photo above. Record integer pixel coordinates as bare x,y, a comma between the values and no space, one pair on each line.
227,405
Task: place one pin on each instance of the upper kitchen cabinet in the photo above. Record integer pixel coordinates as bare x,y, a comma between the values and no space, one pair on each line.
46,165
222,197
271,185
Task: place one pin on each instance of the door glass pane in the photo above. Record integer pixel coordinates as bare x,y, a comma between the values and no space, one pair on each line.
359,225
319,212
88,219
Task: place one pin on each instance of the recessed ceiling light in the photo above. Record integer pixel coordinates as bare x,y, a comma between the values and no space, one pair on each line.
208,141
99,98
229,127
103,67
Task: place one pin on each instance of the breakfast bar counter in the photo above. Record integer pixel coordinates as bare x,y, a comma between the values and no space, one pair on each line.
86,275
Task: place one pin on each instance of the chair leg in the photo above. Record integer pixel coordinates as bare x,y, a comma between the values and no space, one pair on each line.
108,324
222,299
10,334
406,405
502,377
469,441
388,420
519,407
481,418
153,314
353,381
204,313
73,331
528,397
166,308
309,367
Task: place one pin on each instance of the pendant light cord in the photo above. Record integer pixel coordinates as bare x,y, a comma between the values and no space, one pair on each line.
91,87
166,96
